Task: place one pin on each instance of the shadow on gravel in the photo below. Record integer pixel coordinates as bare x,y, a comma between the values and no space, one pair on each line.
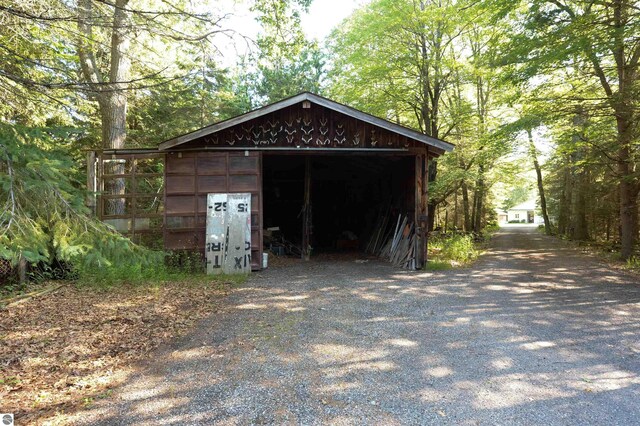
535,332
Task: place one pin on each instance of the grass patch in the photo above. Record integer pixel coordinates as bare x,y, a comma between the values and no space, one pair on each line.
633,264
436,265
181,266
451,251
134,275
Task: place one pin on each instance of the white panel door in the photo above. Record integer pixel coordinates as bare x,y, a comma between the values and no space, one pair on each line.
228,239
215,244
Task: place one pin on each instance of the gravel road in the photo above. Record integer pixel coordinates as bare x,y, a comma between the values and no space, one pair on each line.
534,333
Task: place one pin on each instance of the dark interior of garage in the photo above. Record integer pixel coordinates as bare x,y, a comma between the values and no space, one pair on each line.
348,195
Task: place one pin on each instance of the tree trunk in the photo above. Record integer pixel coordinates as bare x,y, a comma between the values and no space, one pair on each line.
543,200
113,114
113,106
431,209
579,180
478,199
628,205
628,183
446,220
455,210
111,95
565,201
465,207
626,59
473,209
580,228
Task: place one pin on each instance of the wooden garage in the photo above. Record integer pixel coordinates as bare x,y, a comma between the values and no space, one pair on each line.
320,173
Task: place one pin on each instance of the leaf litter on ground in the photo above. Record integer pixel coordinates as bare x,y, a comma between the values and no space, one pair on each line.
61,351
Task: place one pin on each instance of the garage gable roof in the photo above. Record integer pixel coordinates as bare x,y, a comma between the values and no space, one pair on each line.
315,99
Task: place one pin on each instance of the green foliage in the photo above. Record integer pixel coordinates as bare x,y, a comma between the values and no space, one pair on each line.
279,78
431,66
282,33
186,260
34,57
170,64
36,189
454,250
204,95
633,263
286,63
44,219
437,265
576,67
518,194
156,270
492,227
477,74
396,59
488,231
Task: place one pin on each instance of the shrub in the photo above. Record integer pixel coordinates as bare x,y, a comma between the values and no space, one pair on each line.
436,265
45,222
633,262
456,249
492,226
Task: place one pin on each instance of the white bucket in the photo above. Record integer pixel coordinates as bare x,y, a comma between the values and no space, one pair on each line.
265,260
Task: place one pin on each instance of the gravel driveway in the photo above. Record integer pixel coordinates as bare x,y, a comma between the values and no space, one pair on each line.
533,333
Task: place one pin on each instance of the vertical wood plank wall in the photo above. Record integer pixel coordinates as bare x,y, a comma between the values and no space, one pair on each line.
420,249
190,176
421,203
425,202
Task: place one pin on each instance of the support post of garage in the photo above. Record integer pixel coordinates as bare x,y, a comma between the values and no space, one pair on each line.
307,220
424,218
421,207
418,210
91,182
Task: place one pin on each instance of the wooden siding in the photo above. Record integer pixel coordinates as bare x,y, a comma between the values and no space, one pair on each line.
190,176
306,100
295,128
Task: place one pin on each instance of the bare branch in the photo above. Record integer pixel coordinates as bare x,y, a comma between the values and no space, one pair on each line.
27,15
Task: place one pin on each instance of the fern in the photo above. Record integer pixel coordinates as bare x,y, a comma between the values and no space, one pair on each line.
43,217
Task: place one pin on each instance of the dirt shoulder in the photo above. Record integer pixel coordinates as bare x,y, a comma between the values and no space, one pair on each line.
65,350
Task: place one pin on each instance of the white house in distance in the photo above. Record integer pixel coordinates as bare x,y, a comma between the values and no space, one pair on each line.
502,215
521,213
524,212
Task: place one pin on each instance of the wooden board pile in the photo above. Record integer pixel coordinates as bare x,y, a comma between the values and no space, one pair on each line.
395,244
381,233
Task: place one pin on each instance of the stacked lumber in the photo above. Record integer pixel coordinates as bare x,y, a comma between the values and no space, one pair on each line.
382,232
399,248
